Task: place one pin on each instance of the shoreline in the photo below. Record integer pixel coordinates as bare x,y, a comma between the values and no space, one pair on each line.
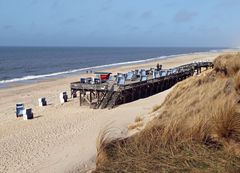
62,138
31,79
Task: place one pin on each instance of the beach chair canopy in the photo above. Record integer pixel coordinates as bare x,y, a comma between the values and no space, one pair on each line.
174,71
156,74
95,80
130,75
103,75
100,72
142,72
120,80
143,78
163,73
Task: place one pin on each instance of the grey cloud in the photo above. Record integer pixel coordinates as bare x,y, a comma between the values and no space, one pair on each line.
128,14
227,3
146,15
184,16
158,24
34,2
131,27
70,21
7,27
55,4
107,5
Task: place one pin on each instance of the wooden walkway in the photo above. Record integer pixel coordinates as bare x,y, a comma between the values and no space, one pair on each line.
111,94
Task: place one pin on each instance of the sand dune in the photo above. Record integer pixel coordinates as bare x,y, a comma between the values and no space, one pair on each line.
62,138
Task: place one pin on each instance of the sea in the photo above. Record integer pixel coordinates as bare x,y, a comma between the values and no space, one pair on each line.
27,64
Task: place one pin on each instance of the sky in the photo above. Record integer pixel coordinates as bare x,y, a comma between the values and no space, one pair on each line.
138,23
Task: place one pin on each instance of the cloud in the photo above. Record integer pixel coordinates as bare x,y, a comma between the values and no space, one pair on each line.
146,15
107,5
7,27
34,2
128,14
184,16
70,21
227,3
157,25
132,28
55,4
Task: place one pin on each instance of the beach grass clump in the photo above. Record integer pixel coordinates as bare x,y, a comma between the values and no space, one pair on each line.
135,125
138,119
197,128
228,64
155,108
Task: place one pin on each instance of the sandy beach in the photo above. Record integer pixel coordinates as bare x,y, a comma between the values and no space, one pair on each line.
62,138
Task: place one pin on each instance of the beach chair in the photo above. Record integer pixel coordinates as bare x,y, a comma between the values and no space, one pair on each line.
121,80
143,72
130,75
42,102
27,114
169,72
63,97
143,78
120,75
95,80
111,78
19,109
156,74
82,80
163,73
88,80
148,72
174,71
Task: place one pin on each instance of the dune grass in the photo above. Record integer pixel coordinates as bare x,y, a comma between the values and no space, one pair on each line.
197,130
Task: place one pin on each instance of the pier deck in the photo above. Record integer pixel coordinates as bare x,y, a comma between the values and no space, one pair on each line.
110,93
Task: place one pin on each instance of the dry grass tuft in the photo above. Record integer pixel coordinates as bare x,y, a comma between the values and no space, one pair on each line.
138,119
155,108
105,141
135,125
227,64
237,82
197,130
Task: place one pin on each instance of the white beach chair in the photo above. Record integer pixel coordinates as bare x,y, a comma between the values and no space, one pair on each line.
63,97
42,102
27,114
19,109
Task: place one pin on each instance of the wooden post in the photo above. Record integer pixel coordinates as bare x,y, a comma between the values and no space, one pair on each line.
90,96
124,97
97,97
133,94
139,92
146,91
80,98
151,89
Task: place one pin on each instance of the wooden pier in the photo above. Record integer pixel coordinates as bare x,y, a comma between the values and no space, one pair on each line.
110,93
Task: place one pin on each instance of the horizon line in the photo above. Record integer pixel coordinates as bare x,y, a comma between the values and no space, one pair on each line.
52,46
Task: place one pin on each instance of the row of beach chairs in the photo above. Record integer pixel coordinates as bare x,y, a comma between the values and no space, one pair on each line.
142,75
27,113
